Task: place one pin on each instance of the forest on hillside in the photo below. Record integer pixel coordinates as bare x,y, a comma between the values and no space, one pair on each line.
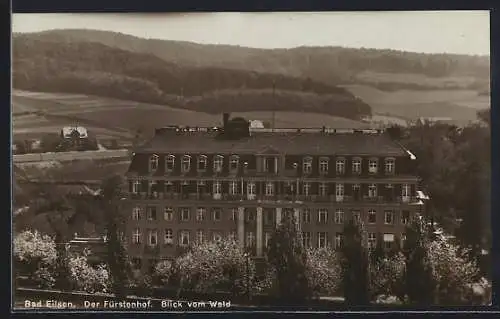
96,69
332,65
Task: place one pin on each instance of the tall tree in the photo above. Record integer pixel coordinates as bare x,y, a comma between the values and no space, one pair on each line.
289,259
62,271
355,265
419,279
117,259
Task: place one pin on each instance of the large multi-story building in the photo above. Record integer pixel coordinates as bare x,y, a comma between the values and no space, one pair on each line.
194,184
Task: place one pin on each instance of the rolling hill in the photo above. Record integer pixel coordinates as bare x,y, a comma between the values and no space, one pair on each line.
340,82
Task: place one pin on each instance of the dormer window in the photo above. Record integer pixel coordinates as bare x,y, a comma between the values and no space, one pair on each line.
186,163
372,166
202,163
340,166
234,163
170,163
307,165
218,163
153,163
390,164
323,165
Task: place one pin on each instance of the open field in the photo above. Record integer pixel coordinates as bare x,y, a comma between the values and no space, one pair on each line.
460,105
107,117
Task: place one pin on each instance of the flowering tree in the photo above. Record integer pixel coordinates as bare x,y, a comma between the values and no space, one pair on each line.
87,278
35,254
211,266
454,273
323,271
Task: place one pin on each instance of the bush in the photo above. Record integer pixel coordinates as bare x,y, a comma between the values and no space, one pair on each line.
323,271
387,277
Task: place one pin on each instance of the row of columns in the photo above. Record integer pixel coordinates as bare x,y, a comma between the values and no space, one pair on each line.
259,234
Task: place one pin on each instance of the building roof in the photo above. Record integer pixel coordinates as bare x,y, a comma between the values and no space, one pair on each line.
67,130
288,142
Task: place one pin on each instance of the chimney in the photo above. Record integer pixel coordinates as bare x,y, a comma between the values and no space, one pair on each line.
225,119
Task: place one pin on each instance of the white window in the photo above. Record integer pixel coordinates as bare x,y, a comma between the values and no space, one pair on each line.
338,240
233,188
186,163
339,216
216,214
389,217
251,190
217,190
323,165
388,240
202,163
136,186
200,214
151,211
390,163
136,213
170,163
372,216
234,214
234,163
169,237
267,239
307,165
322,239
306,239
339,192
356,165
168,214
153,238
216,236
184,238
356,216
306,188
372,190
340,166
323,189
322,216
184,214
200,236
136,236
372,240
153,163
250,240
306,216
232,235
405,217
269,189
372,166
218,162
405,193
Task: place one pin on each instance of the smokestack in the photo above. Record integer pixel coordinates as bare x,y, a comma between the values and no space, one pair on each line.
225,119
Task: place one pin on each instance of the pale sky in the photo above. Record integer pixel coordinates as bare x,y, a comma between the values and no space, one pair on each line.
461,32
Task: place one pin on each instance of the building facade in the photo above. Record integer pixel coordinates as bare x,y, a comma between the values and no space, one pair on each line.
190,185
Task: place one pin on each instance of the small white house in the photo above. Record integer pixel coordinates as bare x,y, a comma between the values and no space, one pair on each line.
69,132
256,124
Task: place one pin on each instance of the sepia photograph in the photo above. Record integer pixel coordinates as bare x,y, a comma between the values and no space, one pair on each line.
233,161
